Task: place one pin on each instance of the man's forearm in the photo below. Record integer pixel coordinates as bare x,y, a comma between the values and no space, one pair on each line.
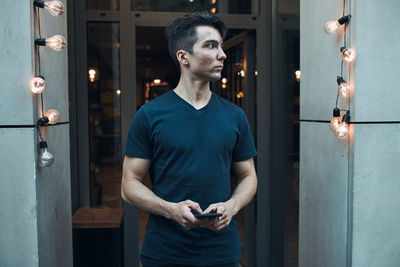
135,193
244,192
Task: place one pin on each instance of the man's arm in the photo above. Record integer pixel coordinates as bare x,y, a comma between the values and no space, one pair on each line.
134,192
242,195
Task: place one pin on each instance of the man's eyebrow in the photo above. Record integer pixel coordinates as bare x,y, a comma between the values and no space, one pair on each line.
212,41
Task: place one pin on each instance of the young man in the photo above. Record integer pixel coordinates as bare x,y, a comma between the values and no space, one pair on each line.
191,140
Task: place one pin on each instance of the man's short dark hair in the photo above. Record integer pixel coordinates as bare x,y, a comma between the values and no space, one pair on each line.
182,34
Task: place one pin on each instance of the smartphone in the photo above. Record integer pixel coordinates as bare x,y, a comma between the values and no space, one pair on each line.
206,215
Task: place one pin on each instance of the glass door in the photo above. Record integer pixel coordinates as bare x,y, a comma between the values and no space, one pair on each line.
103,70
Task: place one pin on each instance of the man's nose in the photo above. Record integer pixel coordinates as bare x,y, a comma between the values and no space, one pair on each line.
221,54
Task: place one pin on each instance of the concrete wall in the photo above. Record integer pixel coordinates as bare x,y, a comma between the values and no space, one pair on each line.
349,213
36,214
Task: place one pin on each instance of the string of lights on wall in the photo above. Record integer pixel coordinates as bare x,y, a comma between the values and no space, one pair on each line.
38,83
340,125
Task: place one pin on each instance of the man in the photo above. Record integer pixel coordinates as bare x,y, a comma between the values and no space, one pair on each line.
191,140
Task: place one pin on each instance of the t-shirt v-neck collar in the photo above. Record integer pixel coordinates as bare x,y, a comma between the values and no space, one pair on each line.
186,104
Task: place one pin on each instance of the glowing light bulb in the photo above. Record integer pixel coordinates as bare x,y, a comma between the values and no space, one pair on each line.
298,75
348,54
56,42
38,85
157,81
335,122
53,116
55,8
46,159
92,75
333,25
240,94
118,92
343,130
344,89
242,73
224,80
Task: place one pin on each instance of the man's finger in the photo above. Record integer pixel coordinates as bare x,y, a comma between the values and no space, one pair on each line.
210,208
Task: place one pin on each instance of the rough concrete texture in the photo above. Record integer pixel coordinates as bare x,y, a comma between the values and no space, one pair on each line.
323,197
376,201
54,202
377,64
18,220
16,63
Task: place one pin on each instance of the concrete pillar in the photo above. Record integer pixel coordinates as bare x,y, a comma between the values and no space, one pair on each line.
35,205
349,213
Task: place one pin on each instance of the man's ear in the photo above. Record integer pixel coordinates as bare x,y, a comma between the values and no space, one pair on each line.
181,55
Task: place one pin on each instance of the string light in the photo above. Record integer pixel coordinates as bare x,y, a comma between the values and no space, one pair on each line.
333,25
348,54
53,115
56,42
341,127
344,89
335,122
55,8
46,159
342,131
38,84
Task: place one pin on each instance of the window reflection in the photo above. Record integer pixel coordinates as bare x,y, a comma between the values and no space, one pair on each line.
104,114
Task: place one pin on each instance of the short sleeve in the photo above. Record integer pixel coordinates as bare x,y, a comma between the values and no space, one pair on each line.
138,143
244,148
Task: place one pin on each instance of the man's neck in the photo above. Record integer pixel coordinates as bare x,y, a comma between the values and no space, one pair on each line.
197,93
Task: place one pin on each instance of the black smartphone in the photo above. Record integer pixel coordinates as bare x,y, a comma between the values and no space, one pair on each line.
206,215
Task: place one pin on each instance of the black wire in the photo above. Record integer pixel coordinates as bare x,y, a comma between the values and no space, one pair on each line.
41,99
337,98
40,36
341,69
39,65
344,4
40,133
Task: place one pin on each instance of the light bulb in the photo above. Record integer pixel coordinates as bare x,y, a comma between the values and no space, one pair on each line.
348,54
38,85
344,89
333,25
56,42
45,157
53,116
343,130
335,122
55,8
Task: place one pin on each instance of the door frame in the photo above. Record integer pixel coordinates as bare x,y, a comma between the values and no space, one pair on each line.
264,23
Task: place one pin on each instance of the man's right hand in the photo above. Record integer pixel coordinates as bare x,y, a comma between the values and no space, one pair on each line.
181,212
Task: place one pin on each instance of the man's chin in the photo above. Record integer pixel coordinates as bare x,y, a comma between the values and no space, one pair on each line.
215,77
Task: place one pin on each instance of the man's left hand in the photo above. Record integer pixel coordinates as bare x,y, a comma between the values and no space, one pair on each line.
215,224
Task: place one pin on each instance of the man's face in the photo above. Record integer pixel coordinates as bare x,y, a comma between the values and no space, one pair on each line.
207,60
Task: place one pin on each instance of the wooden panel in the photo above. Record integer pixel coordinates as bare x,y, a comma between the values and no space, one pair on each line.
97,218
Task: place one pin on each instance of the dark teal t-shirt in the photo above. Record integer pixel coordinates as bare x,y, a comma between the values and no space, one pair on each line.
191,153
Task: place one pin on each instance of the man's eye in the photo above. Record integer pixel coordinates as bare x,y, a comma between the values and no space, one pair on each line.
210,46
